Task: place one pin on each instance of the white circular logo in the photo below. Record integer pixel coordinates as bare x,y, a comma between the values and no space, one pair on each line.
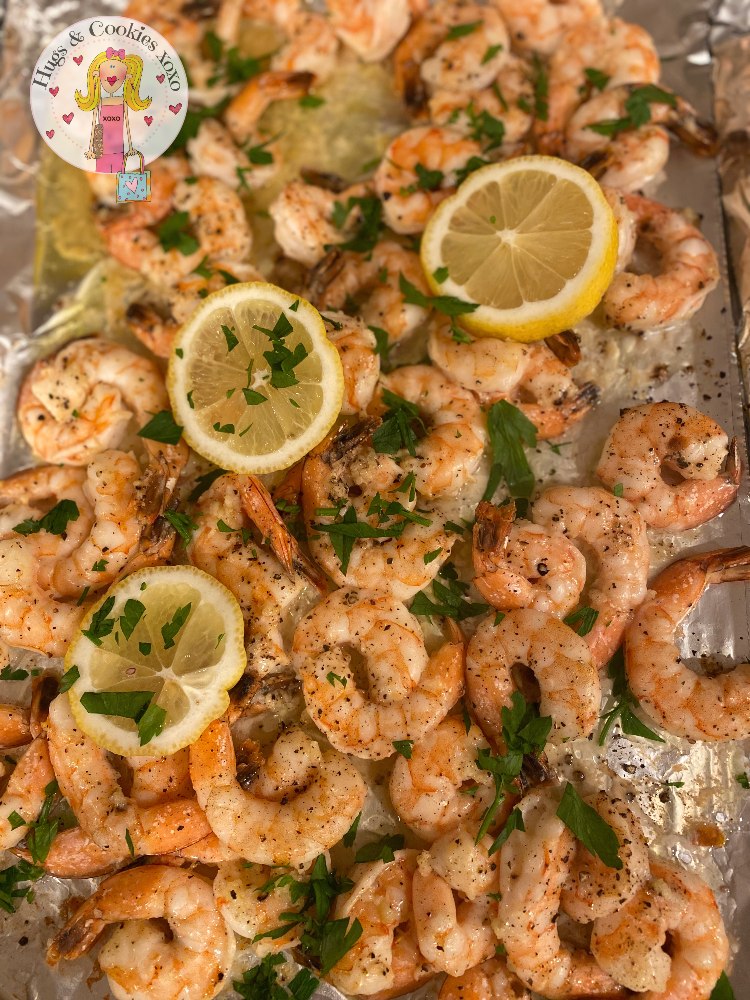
108,95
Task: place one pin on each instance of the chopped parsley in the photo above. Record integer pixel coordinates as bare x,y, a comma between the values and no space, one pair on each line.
55,521
202,483
623,702
588,827
262,982
69,678
524,732
136,705
447,304
174,234
401,428
323,941
637,110
509,430
582,620
380,850
170,629
461,30
162,428
404,747
182,523
448,599
367,233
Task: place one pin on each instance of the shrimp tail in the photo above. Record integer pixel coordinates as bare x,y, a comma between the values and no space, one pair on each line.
77,937
323,274
566,347
733,470
726,565
492,527
151,328
335,447
44,690
699,135
260,508
324,179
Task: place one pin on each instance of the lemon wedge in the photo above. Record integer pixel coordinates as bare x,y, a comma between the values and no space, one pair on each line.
253,379
532,241
152,662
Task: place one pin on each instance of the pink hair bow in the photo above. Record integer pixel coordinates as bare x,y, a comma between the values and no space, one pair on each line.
115,53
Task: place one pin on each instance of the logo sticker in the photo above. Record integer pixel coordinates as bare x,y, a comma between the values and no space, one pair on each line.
109,95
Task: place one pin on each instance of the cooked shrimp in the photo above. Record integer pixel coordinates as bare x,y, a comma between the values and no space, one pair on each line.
656,440
534,866
24,793
356,346
91,784
684,702
312,45
251,902
386,960
452,911
246,108
630,943
559,659
216,216
372,282
140,960
492,980
689,270
29,617
508,98
267,585
83,399
344,471
301,801
114,507
631,158
303,224
627,226
213,153
73,854
529,376
406,205
403,694
429,44
449,451
14,726
371,28
624,52
156,323
539,25
518,564
595,890
429,790
612,530
470,61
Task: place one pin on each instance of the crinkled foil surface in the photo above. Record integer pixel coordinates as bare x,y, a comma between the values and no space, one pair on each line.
705,48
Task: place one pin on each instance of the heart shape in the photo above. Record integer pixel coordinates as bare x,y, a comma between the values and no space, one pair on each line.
160,78
78,60
68,118
111,80
50,133
147,119
132,184
54,91
174,108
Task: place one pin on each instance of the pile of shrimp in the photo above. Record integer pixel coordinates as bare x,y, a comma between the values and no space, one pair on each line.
381,691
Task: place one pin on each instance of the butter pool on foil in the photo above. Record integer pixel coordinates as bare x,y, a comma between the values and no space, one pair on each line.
696,362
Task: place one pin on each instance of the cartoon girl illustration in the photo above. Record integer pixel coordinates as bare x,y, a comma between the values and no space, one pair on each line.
112,83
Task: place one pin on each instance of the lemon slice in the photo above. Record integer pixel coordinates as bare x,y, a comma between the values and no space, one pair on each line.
254,380
532,241
173,631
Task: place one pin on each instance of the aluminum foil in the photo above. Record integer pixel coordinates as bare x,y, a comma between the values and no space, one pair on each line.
705,48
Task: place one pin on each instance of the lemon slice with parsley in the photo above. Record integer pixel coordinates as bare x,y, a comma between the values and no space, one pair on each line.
531,243
253,378
154,659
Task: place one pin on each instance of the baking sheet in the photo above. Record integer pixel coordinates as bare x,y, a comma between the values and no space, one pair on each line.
697,365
